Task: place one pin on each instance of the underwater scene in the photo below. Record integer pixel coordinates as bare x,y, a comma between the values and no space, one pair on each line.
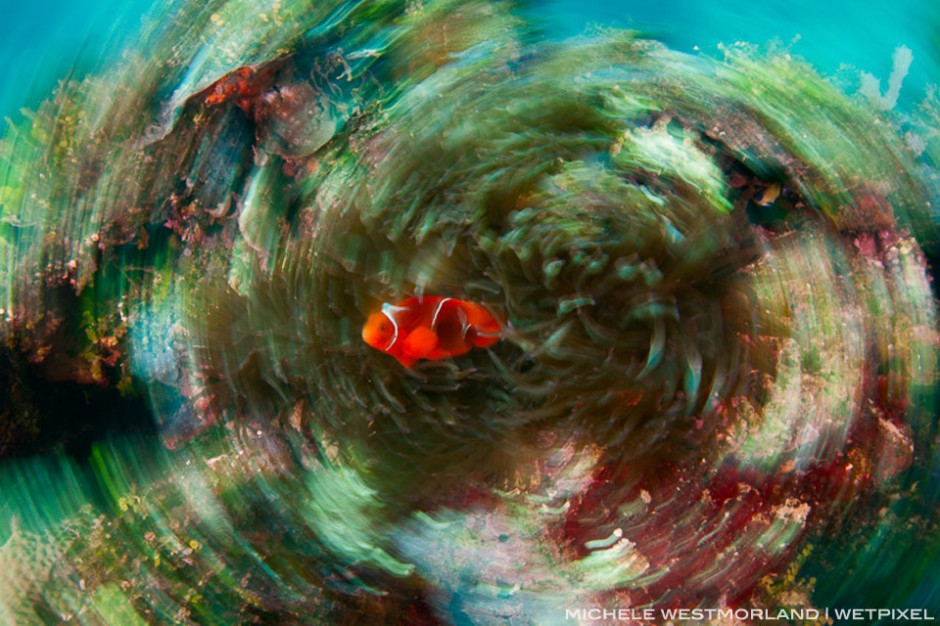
469,312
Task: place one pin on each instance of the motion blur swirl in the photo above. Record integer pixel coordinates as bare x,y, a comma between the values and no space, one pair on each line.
714,384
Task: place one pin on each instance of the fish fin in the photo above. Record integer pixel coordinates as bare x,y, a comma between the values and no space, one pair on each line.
485,340
483,330
456,350
419,343
406,361
439,354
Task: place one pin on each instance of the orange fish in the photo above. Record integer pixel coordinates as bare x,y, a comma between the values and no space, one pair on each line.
430,327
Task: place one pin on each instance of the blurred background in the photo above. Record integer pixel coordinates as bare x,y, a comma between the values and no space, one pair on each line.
856,43
41,42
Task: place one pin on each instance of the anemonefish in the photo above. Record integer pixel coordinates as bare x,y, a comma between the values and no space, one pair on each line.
430,327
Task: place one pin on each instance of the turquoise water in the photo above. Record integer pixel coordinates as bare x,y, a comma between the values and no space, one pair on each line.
44,41
861,34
